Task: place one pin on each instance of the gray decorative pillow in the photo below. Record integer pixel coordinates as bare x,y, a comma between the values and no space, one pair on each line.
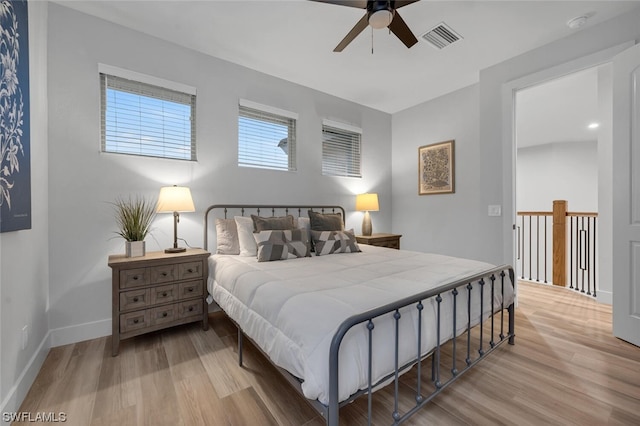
325,221
227,237
329,242
281,244
267,223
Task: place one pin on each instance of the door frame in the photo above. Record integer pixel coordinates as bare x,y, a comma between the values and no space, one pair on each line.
509,149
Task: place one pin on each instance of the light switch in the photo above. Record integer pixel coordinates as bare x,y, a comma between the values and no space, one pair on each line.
495,210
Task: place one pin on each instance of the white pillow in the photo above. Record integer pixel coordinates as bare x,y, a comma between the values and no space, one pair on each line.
248,246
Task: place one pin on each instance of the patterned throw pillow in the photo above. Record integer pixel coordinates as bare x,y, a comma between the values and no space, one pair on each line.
329,242
281,244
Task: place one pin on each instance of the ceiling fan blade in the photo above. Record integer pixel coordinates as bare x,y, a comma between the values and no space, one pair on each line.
357,29
402,31
360,4
401,3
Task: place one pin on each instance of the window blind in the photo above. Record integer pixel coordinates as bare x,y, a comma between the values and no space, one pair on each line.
266,139
341,150
144,119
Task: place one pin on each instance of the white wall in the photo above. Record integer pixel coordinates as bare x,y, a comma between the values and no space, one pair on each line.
25,266
438,223
82,180
558,171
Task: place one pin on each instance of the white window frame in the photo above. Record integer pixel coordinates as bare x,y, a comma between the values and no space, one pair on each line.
153,87
350,144
262,158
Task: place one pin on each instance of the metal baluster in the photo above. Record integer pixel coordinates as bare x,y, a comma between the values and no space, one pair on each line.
493,281
594,256
545,249
395,414
437,382
370,327
570,252
454,370
419,397
481,350
581,254
587,256
468,359
530,251
502,274
537,248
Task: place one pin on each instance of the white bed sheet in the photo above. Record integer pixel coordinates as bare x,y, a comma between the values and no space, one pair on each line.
292,308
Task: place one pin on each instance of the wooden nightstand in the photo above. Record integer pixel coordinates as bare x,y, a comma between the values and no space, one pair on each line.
380,240
157,291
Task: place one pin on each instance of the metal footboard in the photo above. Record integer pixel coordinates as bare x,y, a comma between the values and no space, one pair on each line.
492,278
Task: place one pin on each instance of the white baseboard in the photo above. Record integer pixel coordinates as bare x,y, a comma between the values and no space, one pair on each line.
78,333
605,297
20,388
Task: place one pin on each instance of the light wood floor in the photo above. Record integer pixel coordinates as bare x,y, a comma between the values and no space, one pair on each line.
565,369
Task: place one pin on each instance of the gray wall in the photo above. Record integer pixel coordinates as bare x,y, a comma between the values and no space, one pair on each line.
558,171
82,181
439,223
24,269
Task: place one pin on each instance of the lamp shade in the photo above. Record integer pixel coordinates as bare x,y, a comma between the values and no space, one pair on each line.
367,202
175,199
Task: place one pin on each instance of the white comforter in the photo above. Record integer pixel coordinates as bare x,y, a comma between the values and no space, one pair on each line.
292,308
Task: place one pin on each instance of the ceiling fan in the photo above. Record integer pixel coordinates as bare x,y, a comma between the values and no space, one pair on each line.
380,14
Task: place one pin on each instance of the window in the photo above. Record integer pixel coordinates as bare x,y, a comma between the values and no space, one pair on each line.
340,149
152,120
266,137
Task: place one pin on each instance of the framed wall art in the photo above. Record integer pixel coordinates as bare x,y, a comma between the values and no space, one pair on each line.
436,168
15,159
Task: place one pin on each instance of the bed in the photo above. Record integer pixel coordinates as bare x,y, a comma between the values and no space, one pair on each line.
347,319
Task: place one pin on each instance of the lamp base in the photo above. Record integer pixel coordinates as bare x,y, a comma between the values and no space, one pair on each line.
175,250
366,225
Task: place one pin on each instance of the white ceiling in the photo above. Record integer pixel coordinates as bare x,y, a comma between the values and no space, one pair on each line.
294,40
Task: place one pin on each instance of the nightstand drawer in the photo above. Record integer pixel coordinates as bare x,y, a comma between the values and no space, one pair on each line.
164,294
134,321
190,289
190,270
164,274
134,277
163,314
190,308
134,299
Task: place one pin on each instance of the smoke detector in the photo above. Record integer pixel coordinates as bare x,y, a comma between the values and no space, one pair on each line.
578,21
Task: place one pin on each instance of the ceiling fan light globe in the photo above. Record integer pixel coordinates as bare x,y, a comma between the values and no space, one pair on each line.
380,19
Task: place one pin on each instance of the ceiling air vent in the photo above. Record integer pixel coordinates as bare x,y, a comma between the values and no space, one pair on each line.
441,36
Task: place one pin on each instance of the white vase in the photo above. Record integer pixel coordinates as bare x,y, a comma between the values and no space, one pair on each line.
135,248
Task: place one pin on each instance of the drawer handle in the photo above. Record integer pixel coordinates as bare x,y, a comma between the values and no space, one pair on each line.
135,277
190,290
164,314
164,274
135,321
190,308
190,270
164,294
135,299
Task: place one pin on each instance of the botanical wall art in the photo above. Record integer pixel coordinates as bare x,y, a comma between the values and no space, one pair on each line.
15,166
436,168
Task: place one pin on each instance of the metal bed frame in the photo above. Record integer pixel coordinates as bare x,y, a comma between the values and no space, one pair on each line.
495,278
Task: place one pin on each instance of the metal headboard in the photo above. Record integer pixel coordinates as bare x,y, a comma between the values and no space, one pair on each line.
242,209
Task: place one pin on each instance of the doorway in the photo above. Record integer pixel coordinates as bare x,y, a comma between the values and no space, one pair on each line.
560,127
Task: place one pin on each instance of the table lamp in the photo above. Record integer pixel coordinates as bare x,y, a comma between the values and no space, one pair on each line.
367,203
175,199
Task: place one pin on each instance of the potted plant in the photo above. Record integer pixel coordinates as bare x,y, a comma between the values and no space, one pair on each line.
134,217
